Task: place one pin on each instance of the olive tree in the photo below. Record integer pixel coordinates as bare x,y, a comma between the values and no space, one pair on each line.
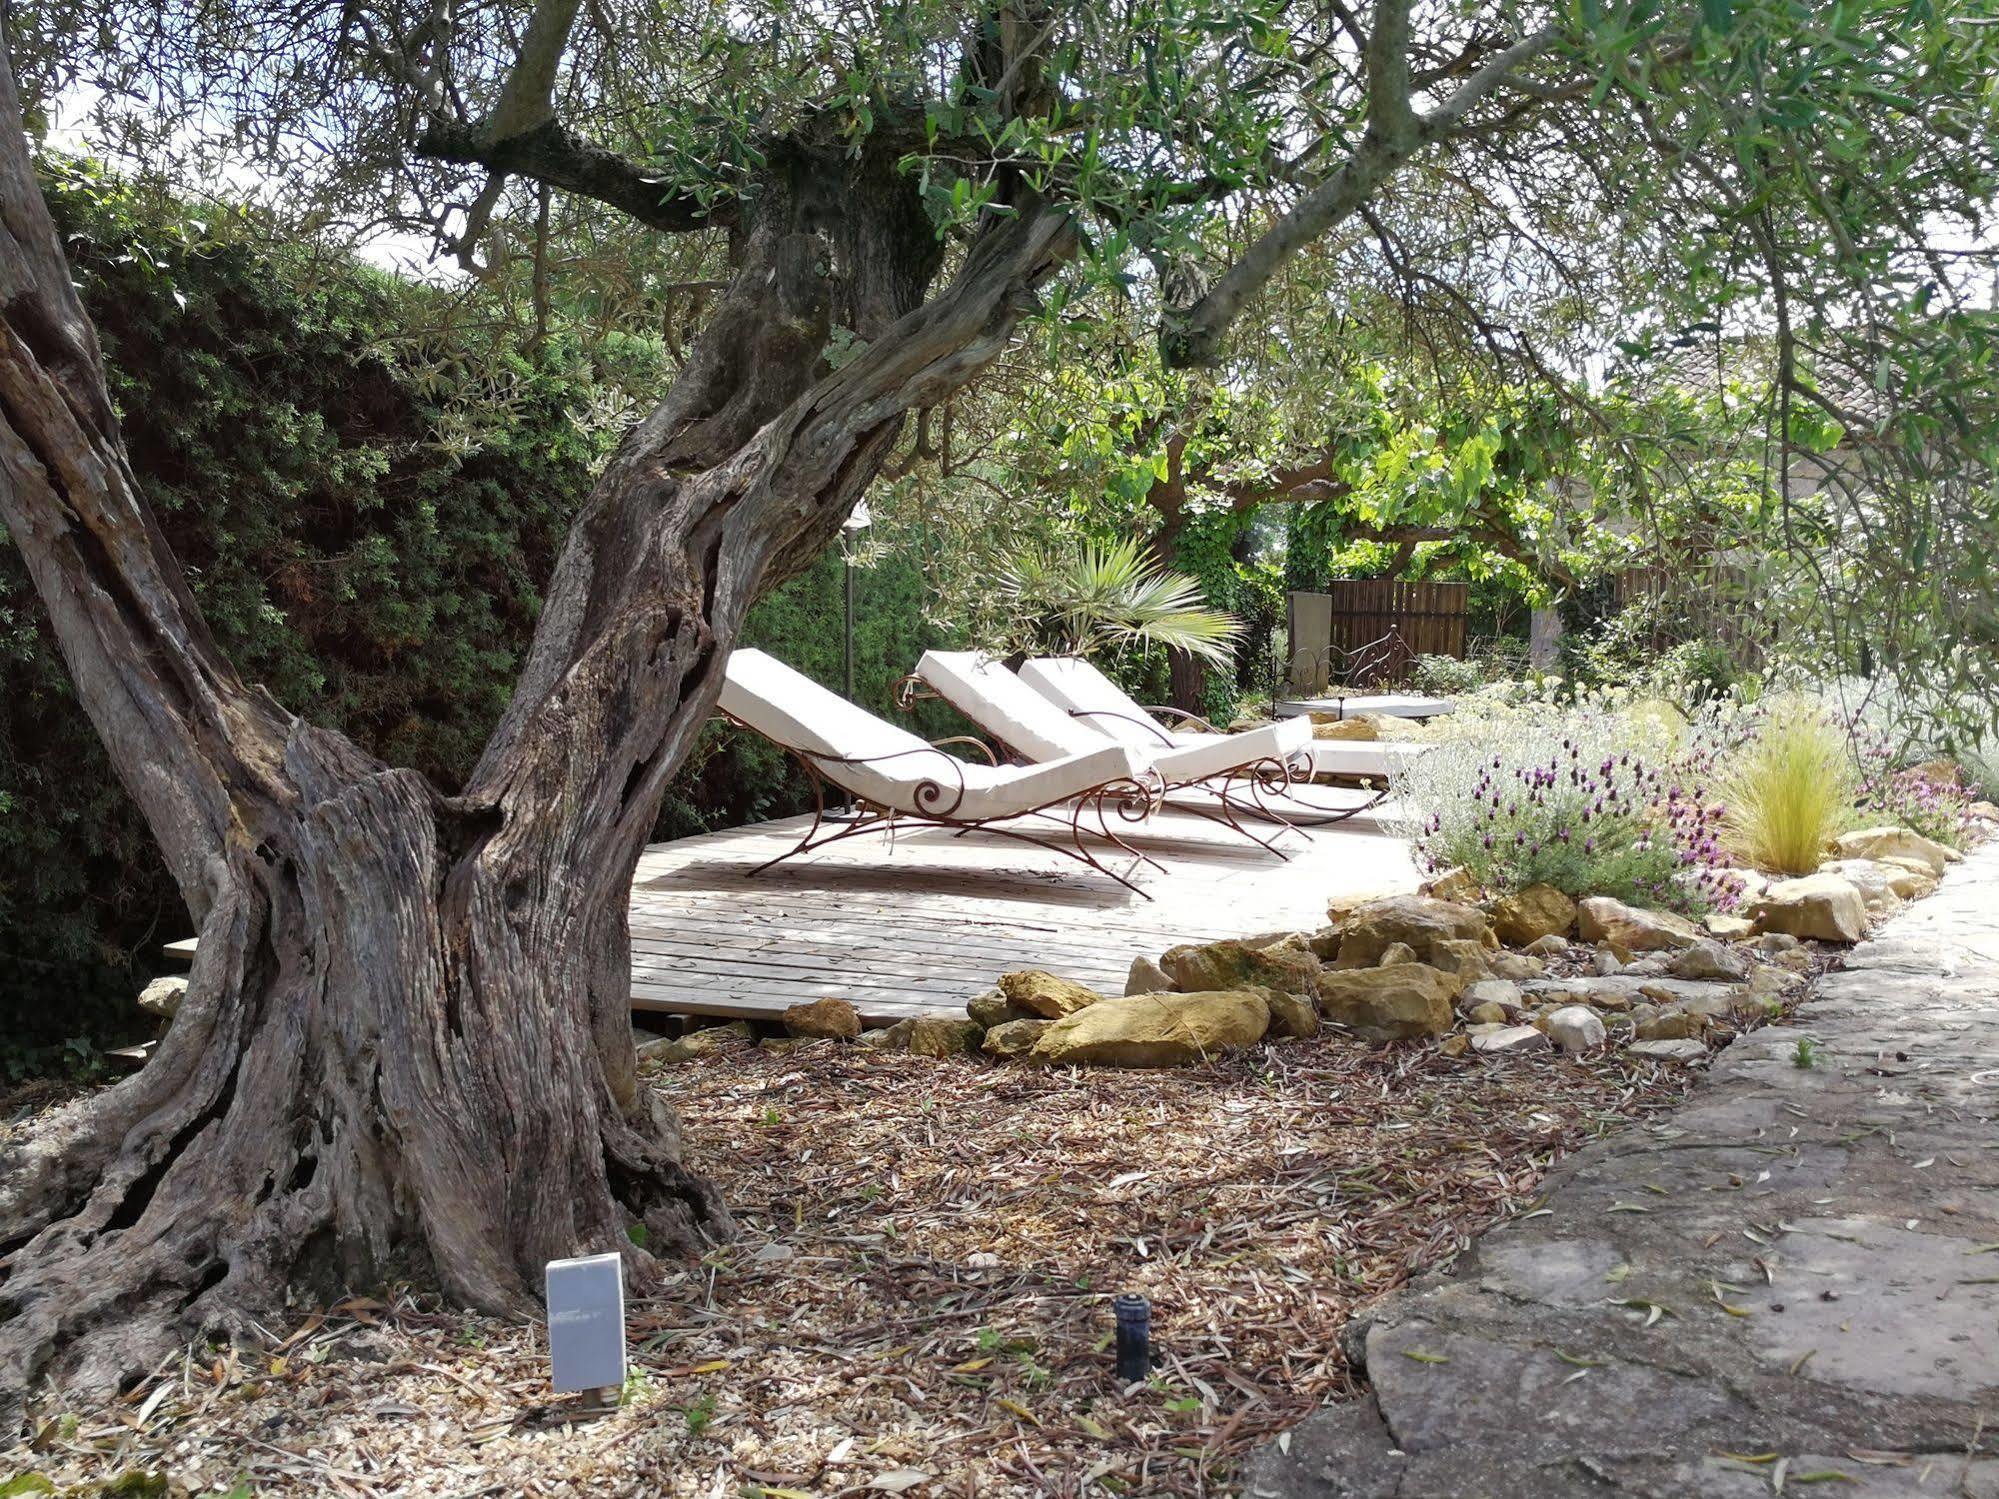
405,1046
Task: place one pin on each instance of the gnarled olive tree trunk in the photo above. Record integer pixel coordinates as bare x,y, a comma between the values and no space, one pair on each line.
406,1045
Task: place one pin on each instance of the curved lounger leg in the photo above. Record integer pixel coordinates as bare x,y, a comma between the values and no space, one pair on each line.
1245,789
1134,802
1320,817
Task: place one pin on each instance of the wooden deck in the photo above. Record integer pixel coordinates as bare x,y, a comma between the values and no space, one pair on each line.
920,925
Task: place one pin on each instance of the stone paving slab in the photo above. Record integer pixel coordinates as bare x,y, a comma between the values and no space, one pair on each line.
1821,1245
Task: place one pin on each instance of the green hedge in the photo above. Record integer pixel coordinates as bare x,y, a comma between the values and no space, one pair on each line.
366,519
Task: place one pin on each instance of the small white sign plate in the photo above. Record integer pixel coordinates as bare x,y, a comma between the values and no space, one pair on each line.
586,1322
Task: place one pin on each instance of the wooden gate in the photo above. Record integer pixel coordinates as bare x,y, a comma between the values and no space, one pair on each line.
1365,632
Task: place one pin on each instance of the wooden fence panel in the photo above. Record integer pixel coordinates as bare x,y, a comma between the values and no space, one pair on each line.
1332,631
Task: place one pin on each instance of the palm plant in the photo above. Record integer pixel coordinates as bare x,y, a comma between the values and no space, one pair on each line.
1097,594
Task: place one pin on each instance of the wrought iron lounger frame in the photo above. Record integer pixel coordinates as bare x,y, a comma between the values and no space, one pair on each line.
1258,778
937,805
1294,774
1353,665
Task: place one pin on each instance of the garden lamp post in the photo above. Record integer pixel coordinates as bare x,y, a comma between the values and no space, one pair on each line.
850,530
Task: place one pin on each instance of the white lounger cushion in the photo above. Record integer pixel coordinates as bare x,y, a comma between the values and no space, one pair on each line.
1360,757
1030,721
793,710
1007,708
1079,687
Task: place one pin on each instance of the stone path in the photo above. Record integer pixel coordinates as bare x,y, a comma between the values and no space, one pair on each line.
1821,1245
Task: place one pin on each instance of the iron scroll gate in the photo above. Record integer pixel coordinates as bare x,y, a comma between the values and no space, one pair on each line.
1366,632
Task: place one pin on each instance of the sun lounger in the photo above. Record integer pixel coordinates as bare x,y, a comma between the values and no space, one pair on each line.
1242,771
1078,688
897,777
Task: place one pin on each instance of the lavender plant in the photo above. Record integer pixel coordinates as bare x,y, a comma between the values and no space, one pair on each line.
1585,819
1920,798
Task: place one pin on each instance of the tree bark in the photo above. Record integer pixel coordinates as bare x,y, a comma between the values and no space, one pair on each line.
405,1047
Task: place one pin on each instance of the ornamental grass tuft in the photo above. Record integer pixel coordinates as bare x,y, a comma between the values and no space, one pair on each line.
1788,788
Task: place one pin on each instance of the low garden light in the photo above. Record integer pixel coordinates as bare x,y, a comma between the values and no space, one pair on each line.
1134,1337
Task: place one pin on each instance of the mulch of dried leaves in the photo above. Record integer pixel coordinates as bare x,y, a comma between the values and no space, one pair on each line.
919,1299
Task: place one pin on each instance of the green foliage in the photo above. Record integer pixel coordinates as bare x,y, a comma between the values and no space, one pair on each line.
1663,643
1445,676
1788,789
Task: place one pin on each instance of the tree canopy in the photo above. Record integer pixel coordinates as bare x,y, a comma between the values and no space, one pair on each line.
1505,206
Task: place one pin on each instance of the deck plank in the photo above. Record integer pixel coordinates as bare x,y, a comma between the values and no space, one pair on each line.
920,924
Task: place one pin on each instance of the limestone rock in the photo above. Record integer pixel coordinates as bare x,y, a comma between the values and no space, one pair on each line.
1913,866
1415,920
1041,993
1821,906
1389,1004
994,1008
941,1036
1749,883
1147,977
1672,1025
1531,914
1633,928
1339,907
1510,1038
1274,938
1324,944
1455,883
1361,726
1461,956
162,996
1667,1051
823,1019
1394,953
1892,842
1727,926
1294,1015
1155,1030
890,1037
1518,965
1708,959
1013,1038
695,1045
1767,981
1576,1028
1492,992
1215,966
1884,883
1718,1002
